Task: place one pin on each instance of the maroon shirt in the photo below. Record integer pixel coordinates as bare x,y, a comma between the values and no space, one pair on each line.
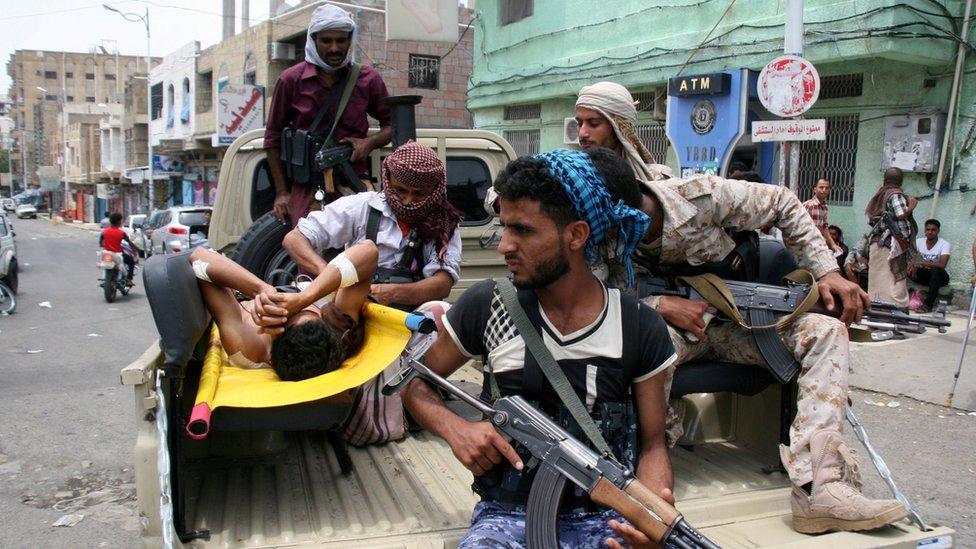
298,96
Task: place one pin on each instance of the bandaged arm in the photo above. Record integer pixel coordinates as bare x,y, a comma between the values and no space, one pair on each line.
353,267
212,267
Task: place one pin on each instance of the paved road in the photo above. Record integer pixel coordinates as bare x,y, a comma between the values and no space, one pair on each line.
66,431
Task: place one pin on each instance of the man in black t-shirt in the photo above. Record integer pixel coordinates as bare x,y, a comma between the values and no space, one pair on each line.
557,216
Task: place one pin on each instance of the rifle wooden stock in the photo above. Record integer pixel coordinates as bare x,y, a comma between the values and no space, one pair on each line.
638,505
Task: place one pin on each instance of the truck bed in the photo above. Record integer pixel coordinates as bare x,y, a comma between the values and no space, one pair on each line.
414,493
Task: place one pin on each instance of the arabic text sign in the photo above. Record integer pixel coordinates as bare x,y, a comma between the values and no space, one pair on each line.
788,86
789,130
240,109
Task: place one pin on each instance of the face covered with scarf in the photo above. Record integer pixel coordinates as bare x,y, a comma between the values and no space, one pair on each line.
615,228
330,37
415,186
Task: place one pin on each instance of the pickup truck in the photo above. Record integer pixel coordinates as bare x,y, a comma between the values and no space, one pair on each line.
286,488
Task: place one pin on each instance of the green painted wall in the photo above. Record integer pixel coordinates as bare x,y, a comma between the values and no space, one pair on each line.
565,45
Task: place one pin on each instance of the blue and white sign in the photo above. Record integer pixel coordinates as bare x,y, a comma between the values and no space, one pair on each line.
704,127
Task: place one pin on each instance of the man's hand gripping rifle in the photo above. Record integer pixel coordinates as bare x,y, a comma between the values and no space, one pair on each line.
606,481
337,158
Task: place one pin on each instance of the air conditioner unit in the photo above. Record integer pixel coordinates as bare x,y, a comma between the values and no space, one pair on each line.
570,131
282,51
660,104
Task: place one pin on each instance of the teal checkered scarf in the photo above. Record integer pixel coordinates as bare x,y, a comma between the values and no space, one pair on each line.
614,228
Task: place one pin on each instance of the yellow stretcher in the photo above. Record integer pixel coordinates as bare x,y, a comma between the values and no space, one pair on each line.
223,385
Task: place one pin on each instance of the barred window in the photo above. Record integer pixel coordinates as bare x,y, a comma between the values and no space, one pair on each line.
833,159
424,71
525,142
841,85
653,137
528,111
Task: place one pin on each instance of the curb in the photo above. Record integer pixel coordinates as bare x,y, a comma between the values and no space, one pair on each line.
90,227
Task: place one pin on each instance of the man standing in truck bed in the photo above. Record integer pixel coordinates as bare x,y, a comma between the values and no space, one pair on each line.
318,83
690,223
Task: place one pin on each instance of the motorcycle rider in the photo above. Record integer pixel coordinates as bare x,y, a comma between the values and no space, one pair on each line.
111,239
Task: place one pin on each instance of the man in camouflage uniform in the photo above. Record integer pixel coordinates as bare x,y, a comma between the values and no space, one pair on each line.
689,223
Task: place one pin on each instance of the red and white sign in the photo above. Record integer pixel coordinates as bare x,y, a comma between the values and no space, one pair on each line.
789,130
788,86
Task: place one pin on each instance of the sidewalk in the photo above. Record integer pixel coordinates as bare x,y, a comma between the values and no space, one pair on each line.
92,227
921,366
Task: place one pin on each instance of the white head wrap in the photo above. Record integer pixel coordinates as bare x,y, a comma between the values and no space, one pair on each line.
615,103
329,17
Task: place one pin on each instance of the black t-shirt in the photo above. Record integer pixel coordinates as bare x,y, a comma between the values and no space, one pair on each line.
600,363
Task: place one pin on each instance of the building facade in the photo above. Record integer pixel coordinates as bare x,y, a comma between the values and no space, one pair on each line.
56,96
883,64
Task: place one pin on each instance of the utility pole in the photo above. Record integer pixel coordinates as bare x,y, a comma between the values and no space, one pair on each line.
134,17
789,153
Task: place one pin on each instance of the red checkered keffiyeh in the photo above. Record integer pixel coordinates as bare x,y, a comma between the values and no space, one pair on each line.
417,166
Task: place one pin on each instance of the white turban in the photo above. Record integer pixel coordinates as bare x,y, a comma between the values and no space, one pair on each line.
615,103
329,17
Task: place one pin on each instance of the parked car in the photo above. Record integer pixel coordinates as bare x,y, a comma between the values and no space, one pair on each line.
133,229
8,204
172,231
8,253
26,210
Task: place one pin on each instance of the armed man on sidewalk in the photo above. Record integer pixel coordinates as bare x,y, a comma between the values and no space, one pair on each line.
308,97
691,221
557,216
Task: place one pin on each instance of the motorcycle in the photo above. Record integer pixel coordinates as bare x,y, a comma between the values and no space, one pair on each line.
115,274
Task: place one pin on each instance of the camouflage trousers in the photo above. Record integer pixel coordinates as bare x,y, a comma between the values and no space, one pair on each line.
493,526
818,342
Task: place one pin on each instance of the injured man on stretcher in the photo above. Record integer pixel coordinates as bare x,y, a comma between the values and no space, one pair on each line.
288,331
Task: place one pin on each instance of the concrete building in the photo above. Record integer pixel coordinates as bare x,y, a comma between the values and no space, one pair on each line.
883,64
248,61
48,89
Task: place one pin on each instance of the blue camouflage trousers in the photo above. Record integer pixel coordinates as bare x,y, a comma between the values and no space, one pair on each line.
493,526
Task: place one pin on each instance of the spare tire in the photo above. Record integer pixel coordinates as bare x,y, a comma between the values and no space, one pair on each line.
260,250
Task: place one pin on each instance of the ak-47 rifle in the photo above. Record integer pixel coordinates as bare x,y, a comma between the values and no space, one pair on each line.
337,158
762,304
559,456
780,300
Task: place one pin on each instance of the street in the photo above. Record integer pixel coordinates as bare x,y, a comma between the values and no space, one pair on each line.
66,424
66,432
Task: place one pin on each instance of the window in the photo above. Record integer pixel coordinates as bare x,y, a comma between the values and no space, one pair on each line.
205,87
50,97
841,85
51,75
170,103
468,180
654,138
525,142
833,159
156,94
262,191
89,99
250,69
70,98
109,77
185,109
530,111
510,11
69,75
109,69
89,76
424,70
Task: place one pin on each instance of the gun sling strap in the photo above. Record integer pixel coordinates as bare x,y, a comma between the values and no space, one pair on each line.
535,345
761,322
350,82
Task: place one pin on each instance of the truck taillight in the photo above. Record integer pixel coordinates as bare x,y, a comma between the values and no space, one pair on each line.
177,230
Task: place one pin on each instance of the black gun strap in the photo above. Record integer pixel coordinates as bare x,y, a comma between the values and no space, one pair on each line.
373,223
346,85
535,345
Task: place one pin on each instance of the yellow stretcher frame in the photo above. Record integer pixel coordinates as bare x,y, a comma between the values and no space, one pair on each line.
224,385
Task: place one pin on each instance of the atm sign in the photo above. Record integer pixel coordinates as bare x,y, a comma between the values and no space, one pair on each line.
701,84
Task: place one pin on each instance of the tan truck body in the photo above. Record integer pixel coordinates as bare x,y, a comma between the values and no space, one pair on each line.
284,489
